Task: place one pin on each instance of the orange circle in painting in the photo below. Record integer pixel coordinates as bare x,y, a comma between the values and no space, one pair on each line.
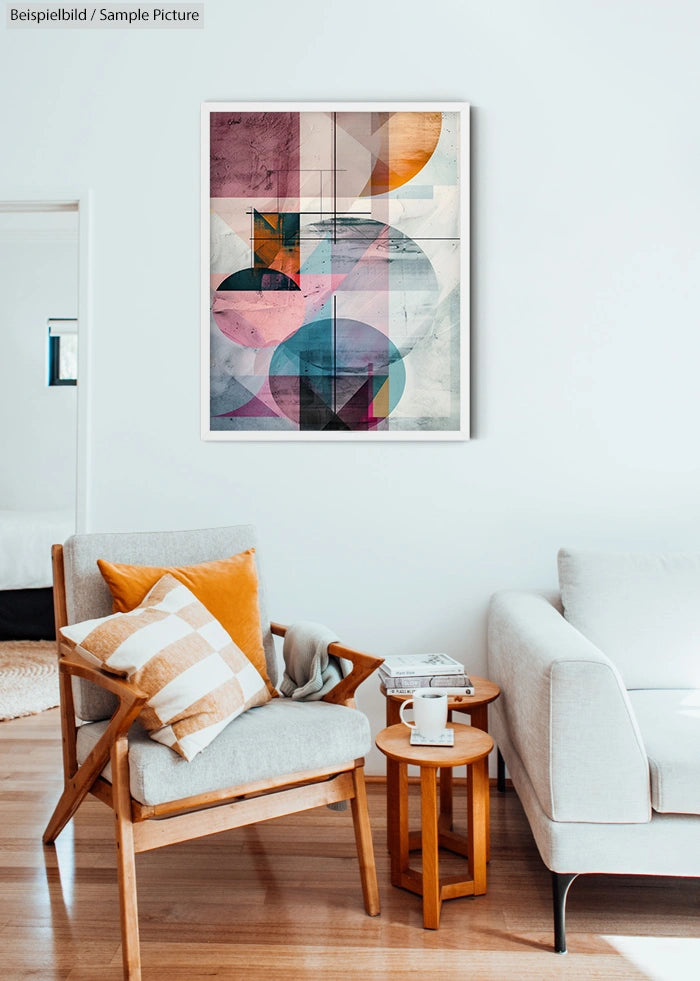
404,145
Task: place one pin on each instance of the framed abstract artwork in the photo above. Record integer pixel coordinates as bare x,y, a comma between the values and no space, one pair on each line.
335,271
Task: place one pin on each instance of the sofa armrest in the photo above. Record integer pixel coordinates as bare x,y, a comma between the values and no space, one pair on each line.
568,714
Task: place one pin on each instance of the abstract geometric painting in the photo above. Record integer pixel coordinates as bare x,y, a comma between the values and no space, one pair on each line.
335,271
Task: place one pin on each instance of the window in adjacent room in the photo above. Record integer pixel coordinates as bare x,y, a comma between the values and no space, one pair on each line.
63,351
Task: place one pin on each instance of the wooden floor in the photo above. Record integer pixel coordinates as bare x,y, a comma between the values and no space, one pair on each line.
283,900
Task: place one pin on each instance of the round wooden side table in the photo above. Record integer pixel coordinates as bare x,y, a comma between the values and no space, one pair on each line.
476,706
471,749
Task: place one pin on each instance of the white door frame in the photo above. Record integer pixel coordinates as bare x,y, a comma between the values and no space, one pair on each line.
24,201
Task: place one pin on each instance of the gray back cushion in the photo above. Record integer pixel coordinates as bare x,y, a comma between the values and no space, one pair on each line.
87,594
642,610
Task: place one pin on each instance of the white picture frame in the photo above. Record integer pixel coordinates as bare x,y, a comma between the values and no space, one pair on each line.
335,271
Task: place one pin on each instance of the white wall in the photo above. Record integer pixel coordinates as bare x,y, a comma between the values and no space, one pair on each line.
38,280
586,295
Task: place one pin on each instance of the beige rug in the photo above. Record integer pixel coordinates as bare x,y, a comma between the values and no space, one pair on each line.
28,677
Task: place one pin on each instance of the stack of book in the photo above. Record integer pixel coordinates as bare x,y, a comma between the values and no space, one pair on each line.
401,674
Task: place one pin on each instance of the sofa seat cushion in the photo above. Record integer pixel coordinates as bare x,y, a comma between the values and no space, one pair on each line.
280,737
670,725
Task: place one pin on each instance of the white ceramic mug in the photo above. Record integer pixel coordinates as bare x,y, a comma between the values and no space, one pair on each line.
429,712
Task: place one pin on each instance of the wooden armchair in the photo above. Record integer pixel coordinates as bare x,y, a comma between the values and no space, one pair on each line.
252,772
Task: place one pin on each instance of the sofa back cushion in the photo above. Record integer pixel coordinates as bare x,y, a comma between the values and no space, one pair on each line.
641,610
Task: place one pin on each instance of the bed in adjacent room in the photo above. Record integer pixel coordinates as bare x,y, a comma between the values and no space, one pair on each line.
26,594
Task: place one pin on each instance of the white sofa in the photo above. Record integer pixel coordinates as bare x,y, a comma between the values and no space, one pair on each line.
599,716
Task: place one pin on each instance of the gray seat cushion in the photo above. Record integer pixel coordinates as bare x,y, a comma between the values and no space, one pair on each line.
281,737
670,725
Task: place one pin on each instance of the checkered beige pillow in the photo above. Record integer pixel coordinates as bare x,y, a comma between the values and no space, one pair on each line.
174,650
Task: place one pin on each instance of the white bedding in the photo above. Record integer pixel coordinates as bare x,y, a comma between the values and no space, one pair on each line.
26,538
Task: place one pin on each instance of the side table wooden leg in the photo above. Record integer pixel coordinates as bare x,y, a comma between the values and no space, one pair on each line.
399,843
478,788
393,712
392,805
392,768
446,818
429,828
487,810
446,799
479,718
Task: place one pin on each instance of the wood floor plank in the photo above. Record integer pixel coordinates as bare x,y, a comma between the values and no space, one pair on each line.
172,962
285,897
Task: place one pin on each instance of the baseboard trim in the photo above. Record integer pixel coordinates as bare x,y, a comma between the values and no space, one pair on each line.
377,778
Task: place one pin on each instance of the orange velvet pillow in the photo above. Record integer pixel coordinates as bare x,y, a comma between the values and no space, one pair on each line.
227,587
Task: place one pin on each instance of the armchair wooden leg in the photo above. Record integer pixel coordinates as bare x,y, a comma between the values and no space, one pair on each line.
68,804
363,840
126,863
79,783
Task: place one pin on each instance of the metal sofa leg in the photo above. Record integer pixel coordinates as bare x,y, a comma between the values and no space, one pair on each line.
560,887
500,773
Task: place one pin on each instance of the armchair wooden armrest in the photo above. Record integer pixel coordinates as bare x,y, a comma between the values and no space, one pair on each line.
363,665
70,662
79,779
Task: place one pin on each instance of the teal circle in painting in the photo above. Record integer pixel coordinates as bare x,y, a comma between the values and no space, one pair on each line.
337,374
